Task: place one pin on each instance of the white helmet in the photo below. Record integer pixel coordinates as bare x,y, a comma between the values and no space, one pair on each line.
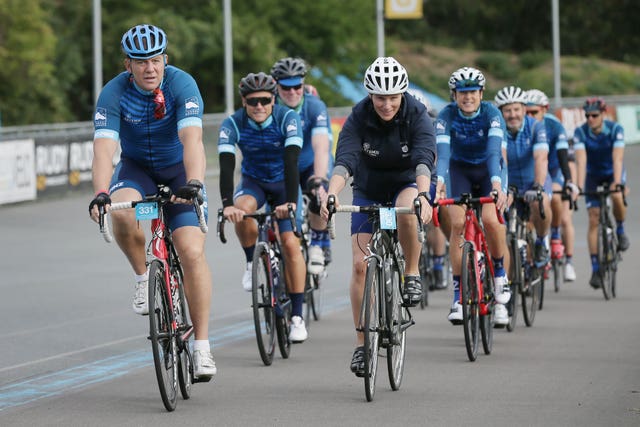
386,76
465,79
510,95
537,97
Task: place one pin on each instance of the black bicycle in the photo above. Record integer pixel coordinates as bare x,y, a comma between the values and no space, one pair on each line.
170,328
608,254
383,317
271,305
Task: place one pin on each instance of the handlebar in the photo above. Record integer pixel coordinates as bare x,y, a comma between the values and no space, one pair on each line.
604,190
470,202
565,196
162,197
260,217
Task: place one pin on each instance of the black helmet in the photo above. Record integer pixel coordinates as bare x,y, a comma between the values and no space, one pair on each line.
256,82
288,67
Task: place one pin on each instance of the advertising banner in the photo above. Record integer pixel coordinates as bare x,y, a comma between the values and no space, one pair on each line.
17,172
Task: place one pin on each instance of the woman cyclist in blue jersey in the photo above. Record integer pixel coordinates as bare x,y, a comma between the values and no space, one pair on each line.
599,147
154,111
387,145
270,137
315,160
469,134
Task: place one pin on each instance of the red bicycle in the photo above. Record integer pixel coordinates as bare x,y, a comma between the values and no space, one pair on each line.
476,280
170,328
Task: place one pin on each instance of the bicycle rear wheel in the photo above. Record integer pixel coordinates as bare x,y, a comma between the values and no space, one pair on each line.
530,293
487,318
163,340
264,318
369,323
397,323
516,274
557,274
283,323
317,295
469,297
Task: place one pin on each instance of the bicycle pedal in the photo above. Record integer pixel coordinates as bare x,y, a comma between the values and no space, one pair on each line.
203,379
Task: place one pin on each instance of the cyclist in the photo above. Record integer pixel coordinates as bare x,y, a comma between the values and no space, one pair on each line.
315,160
387,145
527,154
270,137
154,110
469,134
561,176
599,149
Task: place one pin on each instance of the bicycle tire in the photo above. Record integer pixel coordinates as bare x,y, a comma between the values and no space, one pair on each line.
426,270
163,341
557,274
183,320
283,325
308,302
397,318
369,323
264,320
530,291
606,258
487,320
516,274
317,296
469,297
541,288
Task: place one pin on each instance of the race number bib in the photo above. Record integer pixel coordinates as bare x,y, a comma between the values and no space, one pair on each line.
388,218
147,210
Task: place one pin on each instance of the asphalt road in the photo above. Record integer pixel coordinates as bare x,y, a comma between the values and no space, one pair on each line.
75,354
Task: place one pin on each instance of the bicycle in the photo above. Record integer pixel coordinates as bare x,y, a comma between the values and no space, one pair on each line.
384,319
608,254
170,328
558,257
313,289
476,280
270,301
427,272
526,279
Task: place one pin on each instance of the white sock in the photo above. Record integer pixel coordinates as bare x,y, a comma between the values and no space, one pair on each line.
142,277
202,345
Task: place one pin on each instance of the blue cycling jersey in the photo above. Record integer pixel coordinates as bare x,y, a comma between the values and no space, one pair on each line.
557,139
474,140
124,113
599,147
314,118
531,137
262,145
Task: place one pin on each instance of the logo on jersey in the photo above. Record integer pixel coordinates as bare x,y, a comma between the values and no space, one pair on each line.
495,123
292,128
366,147
619,135
321,120
440,125
224,134
191,107
100,119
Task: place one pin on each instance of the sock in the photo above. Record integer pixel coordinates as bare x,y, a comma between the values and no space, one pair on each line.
555,233
438,260
498,265
296,303
540,240
620,227
569,257
202,345
595,265
456,288
248,252
142,277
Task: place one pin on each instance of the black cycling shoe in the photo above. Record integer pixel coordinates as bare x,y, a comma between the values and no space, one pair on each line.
357,362
412,293
596,280
438,277
623,242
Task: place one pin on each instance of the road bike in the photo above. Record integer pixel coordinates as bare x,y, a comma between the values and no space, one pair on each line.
427,271
170,328
527,279
384,319
608,254
476,279
270,302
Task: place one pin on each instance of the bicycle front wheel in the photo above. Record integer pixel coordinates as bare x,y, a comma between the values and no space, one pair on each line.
183,322
516,273
369,324
397,323
264,318
469,297
557,274
163,340
606,259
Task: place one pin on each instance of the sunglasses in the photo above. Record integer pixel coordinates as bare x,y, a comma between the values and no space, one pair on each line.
160,109
262,100
592,115
287,88
533,112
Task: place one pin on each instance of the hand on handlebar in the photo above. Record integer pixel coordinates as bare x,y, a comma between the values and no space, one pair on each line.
282,211
324,208
501,199
101,200
233,214
191,190
571,190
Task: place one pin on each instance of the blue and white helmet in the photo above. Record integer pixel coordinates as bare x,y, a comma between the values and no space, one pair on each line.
144,41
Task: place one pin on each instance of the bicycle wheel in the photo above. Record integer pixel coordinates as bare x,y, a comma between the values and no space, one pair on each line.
469,297
369,324
317,295
557,274
516,273
426,270
183,322
163,341
606,239
487,313
283,323
541,288
264,318
397,324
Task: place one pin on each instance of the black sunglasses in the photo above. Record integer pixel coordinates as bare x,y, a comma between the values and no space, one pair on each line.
533,112
287,88
592,115
262,100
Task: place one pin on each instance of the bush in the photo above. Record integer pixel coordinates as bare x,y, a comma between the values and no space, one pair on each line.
500,65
